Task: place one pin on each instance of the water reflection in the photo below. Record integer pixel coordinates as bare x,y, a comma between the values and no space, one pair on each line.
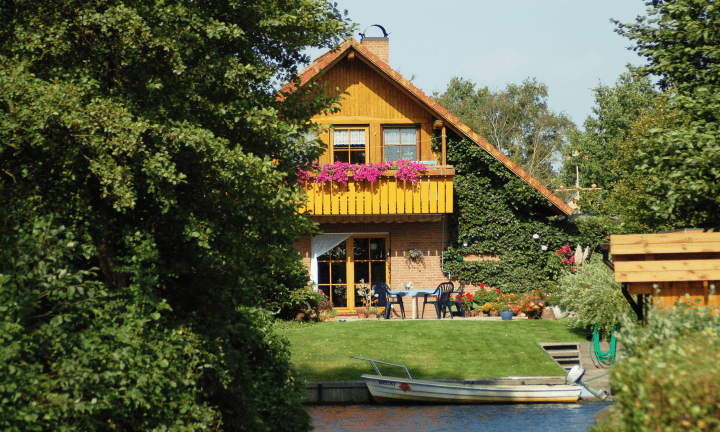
531,417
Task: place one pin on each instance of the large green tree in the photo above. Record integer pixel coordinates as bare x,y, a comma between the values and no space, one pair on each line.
516,120
145,139
680,39
596,149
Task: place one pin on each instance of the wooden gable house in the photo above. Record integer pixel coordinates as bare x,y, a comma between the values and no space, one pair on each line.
373,230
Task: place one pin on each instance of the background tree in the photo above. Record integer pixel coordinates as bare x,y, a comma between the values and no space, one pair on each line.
616,109
145,139
517,121
680,39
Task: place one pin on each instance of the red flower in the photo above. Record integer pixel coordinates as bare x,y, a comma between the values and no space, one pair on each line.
573,268
497,290
482,295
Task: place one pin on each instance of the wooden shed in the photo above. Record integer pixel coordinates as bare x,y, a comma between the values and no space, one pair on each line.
667,267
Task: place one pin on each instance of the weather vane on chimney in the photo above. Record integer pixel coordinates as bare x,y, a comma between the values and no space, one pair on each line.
385,34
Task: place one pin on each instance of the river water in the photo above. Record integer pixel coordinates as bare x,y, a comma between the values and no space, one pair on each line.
454,418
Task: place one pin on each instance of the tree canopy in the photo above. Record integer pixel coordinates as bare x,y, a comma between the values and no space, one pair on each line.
145,140
597,147
517,121
680,39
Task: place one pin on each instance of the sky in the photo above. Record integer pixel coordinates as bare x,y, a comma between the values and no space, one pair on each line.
570,45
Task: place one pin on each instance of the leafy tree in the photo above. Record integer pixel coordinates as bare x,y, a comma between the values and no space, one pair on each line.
145,139
597,147
517,121
630,195
681,41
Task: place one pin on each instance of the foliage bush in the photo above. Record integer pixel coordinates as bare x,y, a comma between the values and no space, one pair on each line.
668,381
683,318
592,293
77,356
154,132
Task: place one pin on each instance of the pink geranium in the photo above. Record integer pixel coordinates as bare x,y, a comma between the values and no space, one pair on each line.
370,172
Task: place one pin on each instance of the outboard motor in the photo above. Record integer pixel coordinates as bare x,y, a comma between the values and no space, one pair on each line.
575,377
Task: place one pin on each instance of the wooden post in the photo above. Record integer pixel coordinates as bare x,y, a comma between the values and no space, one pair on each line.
444,147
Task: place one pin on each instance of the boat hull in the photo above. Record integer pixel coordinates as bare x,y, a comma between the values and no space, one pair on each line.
401,390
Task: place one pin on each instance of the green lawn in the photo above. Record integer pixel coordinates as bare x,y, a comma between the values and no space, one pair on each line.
443,349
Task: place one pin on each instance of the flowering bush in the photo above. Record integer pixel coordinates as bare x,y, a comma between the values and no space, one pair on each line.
466,299
506,301
491,306
568,256
483,297
339,171
531,302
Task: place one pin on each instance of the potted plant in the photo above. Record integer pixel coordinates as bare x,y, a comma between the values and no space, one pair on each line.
531,304
486,300
505,305
368,297
414,256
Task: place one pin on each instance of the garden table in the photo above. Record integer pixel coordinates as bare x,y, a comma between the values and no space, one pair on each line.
414,293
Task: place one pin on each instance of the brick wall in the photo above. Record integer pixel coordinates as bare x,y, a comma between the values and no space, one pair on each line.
426,236
378,46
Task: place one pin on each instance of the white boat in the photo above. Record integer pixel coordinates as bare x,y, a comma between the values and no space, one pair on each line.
387,389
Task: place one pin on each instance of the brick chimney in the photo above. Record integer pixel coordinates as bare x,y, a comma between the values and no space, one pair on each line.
380,46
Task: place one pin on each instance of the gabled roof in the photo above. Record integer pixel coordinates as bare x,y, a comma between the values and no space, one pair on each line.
330,58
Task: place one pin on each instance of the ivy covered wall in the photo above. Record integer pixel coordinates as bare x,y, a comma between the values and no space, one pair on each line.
498,213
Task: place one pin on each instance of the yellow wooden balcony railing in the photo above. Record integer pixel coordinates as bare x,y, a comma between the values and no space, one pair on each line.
433,194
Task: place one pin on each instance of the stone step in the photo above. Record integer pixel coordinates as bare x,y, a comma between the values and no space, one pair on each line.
565,354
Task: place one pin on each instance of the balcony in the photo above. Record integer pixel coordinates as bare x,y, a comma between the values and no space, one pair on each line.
432,195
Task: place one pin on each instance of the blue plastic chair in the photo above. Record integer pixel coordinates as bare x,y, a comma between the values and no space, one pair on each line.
442,295
458,303
387,298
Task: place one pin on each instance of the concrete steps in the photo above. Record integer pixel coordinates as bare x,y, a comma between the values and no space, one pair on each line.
565,354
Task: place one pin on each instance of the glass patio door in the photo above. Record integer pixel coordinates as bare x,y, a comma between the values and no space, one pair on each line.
367,262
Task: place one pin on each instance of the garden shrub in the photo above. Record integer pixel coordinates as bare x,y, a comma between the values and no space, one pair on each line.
684,318
78,356
592,293
667,380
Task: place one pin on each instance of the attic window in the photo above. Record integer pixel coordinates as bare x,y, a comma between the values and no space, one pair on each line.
349,145
400,143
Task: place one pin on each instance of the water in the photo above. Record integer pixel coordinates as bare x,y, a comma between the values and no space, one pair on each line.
456,418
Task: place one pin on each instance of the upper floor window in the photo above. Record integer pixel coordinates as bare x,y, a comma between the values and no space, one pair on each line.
400,144
349,145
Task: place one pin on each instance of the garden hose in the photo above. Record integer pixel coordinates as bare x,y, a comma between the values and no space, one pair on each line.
607,357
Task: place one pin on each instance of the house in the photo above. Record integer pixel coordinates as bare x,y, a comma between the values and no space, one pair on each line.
389,230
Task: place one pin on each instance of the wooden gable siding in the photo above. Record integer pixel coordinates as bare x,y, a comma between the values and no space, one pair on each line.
669,265
373,101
